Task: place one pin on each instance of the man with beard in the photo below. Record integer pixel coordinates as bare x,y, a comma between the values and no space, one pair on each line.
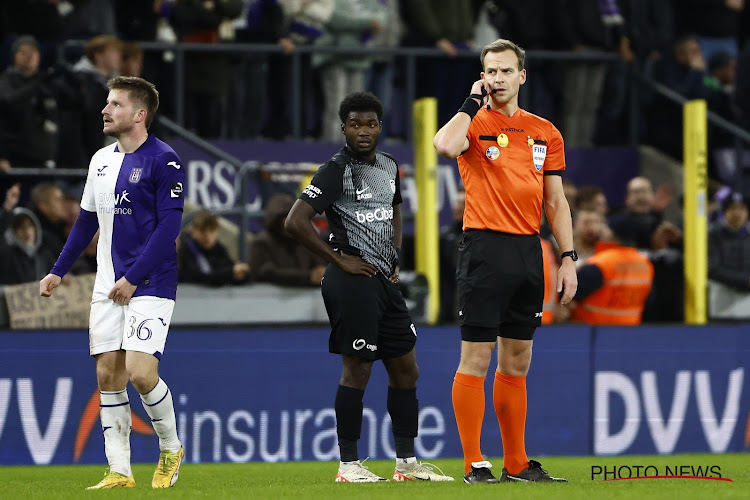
134,194
359,190
510,161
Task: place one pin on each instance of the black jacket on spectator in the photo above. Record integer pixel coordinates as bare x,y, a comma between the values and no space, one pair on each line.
208,267
276,257
635,229
709,18
53,234
729,256
28,119
21,263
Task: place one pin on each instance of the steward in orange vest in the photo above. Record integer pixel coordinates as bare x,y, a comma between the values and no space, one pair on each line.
613,286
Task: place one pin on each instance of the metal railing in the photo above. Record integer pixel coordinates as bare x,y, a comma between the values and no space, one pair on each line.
405,58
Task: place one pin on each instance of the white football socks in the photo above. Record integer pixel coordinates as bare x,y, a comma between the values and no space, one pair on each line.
159,406
114,412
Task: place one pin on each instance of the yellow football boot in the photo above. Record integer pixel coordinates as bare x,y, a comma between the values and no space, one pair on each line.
168,469
113,480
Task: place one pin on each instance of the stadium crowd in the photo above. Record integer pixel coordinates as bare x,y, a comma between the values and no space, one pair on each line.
50,115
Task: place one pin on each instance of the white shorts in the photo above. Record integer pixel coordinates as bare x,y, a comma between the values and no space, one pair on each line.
139,326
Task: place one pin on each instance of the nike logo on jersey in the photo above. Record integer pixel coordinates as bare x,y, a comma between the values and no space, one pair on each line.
361,195
100,174
163,322
174,164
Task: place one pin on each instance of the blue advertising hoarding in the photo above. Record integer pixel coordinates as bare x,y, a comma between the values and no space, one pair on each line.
267,395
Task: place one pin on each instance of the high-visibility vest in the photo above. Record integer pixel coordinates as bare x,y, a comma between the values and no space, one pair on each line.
628,276
550,282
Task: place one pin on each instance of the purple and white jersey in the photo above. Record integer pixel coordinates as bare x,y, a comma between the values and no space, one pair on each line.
130,192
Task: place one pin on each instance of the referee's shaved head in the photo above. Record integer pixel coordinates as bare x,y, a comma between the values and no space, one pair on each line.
501,45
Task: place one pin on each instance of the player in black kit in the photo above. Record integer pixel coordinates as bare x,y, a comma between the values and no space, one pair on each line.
360,193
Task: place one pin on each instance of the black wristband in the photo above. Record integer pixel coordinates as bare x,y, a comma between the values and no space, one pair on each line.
470,106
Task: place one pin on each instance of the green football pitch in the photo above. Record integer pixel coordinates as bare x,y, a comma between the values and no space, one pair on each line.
313,480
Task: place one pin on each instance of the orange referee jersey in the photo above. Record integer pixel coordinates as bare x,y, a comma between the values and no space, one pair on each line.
503,170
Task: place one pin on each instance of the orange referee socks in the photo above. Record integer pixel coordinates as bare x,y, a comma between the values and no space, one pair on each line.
509,395
468,405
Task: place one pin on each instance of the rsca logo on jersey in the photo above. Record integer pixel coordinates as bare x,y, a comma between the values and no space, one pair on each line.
379,214
312,191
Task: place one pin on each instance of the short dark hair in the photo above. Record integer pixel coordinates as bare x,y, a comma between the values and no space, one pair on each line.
731,199
360,101
141,91
587,194
100,43
42,192
204,221
501,45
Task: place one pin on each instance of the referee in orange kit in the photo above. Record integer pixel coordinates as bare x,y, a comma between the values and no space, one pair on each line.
510,161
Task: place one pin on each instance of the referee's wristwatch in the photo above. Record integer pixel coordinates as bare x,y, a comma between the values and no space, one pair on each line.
570,253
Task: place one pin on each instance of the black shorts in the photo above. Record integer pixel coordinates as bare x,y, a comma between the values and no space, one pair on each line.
368,316
500,280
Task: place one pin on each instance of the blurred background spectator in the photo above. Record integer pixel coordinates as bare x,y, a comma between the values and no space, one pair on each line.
276,257
206,74
203,259
29,121
23,258
729,245
449,26
352,24
47,204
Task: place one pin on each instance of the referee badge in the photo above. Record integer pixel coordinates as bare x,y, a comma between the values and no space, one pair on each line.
493,153
539,153
502,140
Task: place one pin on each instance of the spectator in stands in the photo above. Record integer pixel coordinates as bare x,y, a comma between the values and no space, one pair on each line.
28,110
613,286
45,20
12,195
729,245
715,24
47,203
81,125
720,83
682,71
382,73
132,59
22,257
202,259
352,23
449,26
588,229
276,257
641,224
588,25
592,198
137,19
206,74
